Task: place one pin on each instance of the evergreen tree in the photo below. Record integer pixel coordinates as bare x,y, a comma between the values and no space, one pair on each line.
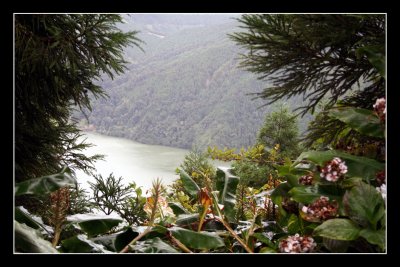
316,55
280,127
198,166
58,59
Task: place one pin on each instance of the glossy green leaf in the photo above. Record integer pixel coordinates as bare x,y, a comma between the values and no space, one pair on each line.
277,196
294,224
329,189
107,241
351,181
46,184
29,240
289,169
339,229
81,244
267,250
293,180
124,238
177,208
357,166
374,237
282,190
93,224
187,219
364,121
197,240
156,231
154,245
335,246
226,184
159,229
263,238
213,226
189,184
364,205
23,217
304,194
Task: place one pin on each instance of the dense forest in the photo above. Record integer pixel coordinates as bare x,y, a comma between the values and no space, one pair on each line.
185,90
323,191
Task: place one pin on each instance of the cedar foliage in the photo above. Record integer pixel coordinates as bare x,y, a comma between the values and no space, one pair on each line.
315,55
58,59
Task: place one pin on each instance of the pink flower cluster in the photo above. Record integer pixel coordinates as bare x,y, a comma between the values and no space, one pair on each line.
306,179
321,209
380,108
334,170
297,244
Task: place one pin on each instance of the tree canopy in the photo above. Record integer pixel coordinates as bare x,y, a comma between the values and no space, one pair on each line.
316,55
280,128
58,59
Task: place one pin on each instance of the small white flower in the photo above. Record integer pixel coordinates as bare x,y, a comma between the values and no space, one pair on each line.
382,190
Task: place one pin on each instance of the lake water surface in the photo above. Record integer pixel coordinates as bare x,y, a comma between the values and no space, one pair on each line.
133,161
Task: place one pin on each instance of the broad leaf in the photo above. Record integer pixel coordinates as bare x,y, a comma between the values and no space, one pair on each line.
191,187
263,238
267,250
364,204
94,224
187,219
364,121
197,240
282,190
350,182
374,237
106,240
155,245
177,208
226,184
213,226
294,224
357,166
46,184
81,244
289,169
116,242
305,194
293,180
156,231
335,246
23,217
340,229
29,240
277,196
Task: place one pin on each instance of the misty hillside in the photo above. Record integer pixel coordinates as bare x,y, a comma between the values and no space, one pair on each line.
185,89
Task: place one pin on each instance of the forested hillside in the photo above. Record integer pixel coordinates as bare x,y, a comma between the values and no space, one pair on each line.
185,89
324,193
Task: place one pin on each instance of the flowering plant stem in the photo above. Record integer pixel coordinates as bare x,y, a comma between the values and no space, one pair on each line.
234,234
156,194
203,214
180,245
126,248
